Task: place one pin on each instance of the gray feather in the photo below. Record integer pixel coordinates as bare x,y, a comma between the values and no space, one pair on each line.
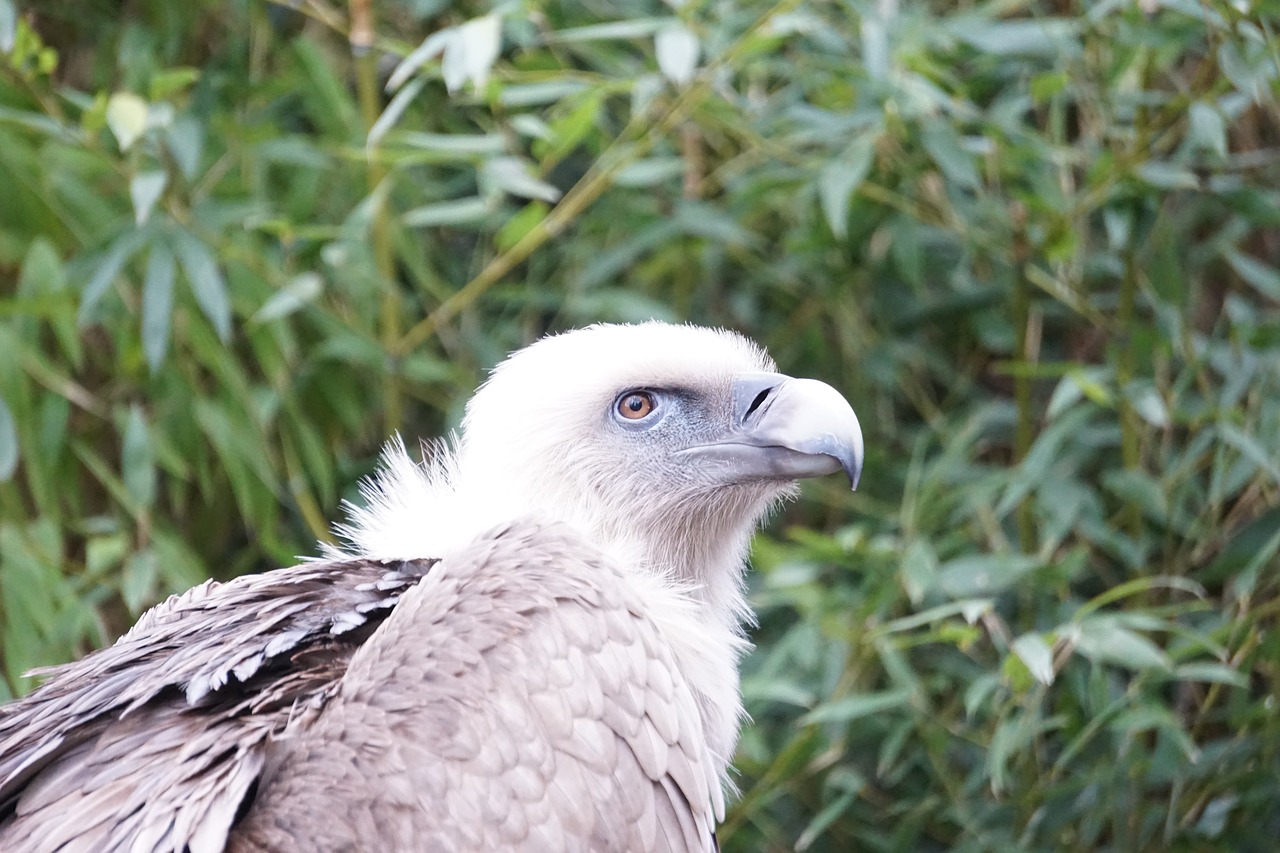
472,704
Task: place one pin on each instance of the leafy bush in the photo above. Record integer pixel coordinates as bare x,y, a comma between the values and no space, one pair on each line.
1036,243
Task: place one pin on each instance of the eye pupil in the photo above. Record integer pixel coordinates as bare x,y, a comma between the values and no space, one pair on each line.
636,405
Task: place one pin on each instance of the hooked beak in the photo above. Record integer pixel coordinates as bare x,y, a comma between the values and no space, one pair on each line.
785,429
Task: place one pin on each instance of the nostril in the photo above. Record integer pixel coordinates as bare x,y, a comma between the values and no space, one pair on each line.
757,402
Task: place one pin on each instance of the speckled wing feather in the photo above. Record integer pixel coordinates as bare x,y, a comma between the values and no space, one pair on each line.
517,697
154,742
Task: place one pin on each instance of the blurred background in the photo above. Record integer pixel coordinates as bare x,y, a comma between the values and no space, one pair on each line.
1037,244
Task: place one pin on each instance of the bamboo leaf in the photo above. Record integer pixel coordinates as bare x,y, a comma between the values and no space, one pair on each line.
1102,640
127,118
512,175
8,443
297,293
677,50
137,462
841,178
106,270
463,211
851,708
145,190
470,52
205,280
1033,651
157,304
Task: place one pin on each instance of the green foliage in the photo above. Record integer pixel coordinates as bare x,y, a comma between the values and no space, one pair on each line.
1035,243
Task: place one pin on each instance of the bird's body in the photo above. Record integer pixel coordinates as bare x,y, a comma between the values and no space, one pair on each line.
530,644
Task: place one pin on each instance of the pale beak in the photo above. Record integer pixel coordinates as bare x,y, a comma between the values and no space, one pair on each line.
785,429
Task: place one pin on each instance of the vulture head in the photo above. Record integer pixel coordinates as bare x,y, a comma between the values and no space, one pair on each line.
666,445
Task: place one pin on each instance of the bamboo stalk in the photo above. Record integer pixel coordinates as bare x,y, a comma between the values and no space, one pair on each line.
389,308
1024,430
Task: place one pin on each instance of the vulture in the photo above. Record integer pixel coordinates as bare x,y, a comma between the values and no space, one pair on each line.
528,641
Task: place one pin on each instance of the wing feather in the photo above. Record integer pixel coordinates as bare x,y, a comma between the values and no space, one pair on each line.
515,695
153,743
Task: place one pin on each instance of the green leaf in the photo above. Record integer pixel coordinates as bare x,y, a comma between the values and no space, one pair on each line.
42,271
943,144
108,267
138,581
1262,278
1101,640
1216,813
431,47
1151,717
1043,37
184,137
8,25
1250,448
171,81
851,708
393,111
298,292
677,50
824,818
137,463
1148,403
759,691
840,179
1140,489
534,94
568,130
649,172
919,570
1207,129
104,552
8,443
981,689
470,52
1168,176
1012,737
127,118
206,281
977,575
1037,655
1048,85
1216,673
512,175
453,146
632,29
935,614
157,304
531,126
520,225
463,211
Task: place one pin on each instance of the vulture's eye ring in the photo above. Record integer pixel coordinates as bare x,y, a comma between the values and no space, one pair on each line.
636,405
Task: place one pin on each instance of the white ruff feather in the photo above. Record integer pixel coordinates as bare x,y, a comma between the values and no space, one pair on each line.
531,447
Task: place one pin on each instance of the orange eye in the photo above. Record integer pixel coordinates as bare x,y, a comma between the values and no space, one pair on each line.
636,405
